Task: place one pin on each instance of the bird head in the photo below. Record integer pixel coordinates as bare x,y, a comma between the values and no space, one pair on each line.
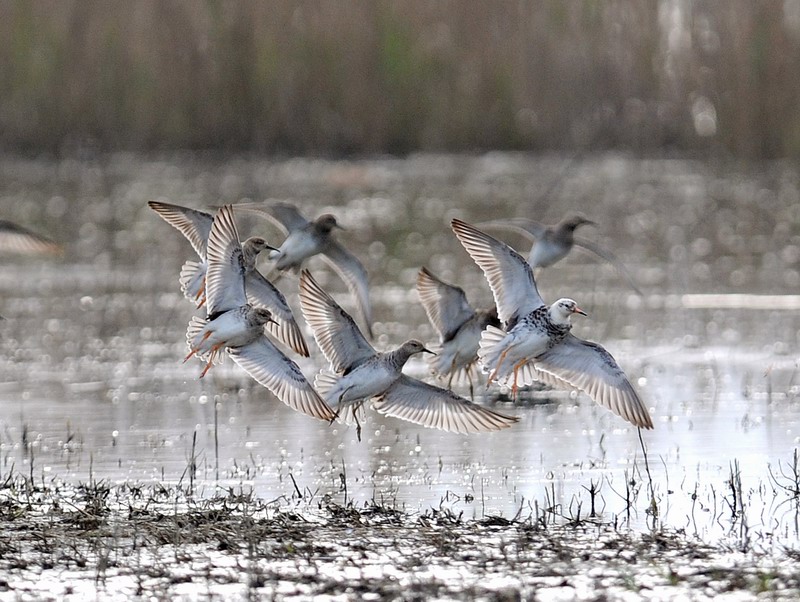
256,244
327,222
571,222
262,315
561,310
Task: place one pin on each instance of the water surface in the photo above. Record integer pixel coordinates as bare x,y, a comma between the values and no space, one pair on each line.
92,383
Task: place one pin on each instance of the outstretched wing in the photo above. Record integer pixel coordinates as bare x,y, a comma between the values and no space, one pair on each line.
225,276
284,215
262,293
355,276
193,224
445,304
265,363
521,225
509,275
334,329
607,255
16,239
588,367
418,402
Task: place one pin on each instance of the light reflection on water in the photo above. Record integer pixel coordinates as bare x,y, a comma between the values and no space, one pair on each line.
91,348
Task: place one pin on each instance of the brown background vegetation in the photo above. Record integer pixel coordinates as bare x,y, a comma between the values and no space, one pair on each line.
366,76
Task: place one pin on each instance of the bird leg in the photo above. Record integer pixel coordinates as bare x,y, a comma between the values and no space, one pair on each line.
214,351
514,388
201,293
493,375
196,348
357,407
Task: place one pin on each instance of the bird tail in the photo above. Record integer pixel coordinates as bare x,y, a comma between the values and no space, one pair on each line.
444,367
348,413
194,340
324,382
489,349
192,279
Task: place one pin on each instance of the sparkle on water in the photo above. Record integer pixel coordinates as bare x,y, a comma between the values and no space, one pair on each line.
91,348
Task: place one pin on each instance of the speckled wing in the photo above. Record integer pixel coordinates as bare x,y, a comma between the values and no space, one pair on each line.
521,225
334,329
16,239
271,368
193,224
588,367
262,293
225,276
284,215
355,276
446,305
509,275
433,407
608,256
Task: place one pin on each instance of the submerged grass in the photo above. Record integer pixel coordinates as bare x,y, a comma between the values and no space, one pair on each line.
118,540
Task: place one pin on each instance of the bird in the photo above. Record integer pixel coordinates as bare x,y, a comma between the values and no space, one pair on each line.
306,238
16,239
19,240
196,227
359,373
535,342
234,324
553,243
458,325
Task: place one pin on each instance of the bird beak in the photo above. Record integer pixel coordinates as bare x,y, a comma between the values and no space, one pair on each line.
426,350
270,247
578,310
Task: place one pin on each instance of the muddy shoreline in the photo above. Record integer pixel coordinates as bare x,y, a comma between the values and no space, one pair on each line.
122,541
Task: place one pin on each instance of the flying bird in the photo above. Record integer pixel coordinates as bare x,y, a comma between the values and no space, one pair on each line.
237,326
553,243
535,342
458,325
307,238
196,227
359,373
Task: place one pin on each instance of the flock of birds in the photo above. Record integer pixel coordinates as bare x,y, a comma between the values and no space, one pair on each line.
518,341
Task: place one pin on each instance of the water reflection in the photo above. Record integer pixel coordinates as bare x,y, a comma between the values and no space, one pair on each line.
92,384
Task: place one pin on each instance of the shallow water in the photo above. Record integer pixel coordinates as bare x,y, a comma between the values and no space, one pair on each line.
92,384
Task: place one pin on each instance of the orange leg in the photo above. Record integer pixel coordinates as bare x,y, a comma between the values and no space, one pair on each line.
200,297
493,375
214,350
197,348
514,388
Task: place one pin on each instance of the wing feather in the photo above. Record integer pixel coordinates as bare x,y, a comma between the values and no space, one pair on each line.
446,305
193,224
509,275
335,331
284,215
608,256
271,368
521,225
262,293
418,402
588,367
225,275
16,239
355,276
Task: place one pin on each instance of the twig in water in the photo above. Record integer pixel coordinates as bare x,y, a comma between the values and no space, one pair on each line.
296,488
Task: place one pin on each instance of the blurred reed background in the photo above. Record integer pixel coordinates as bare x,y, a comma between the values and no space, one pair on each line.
367,76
